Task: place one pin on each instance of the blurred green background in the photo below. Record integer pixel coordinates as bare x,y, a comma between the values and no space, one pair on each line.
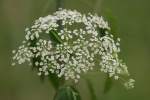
130,21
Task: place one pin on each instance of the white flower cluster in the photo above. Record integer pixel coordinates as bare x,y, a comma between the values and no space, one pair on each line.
69,43
129,84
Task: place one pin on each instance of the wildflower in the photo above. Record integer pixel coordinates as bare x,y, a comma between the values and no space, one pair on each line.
83,43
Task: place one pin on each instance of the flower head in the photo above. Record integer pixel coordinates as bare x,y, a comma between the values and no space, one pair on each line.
69,43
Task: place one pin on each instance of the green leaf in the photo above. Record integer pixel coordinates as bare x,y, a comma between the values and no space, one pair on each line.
67,93
108,85
54,37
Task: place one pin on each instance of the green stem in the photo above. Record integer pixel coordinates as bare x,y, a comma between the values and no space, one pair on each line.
59,4
67,93
91,90
108,84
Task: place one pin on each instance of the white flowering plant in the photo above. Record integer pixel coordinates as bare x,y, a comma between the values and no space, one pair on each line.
68,43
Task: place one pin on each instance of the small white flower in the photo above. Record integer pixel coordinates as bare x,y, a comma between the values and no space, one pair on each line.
62,37
27,37
32,37
13,64
37,35
39,73
14,51
36,63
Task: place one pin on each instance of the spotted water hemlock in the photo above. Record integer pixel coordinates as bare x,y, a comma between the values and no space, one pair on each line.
68,43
